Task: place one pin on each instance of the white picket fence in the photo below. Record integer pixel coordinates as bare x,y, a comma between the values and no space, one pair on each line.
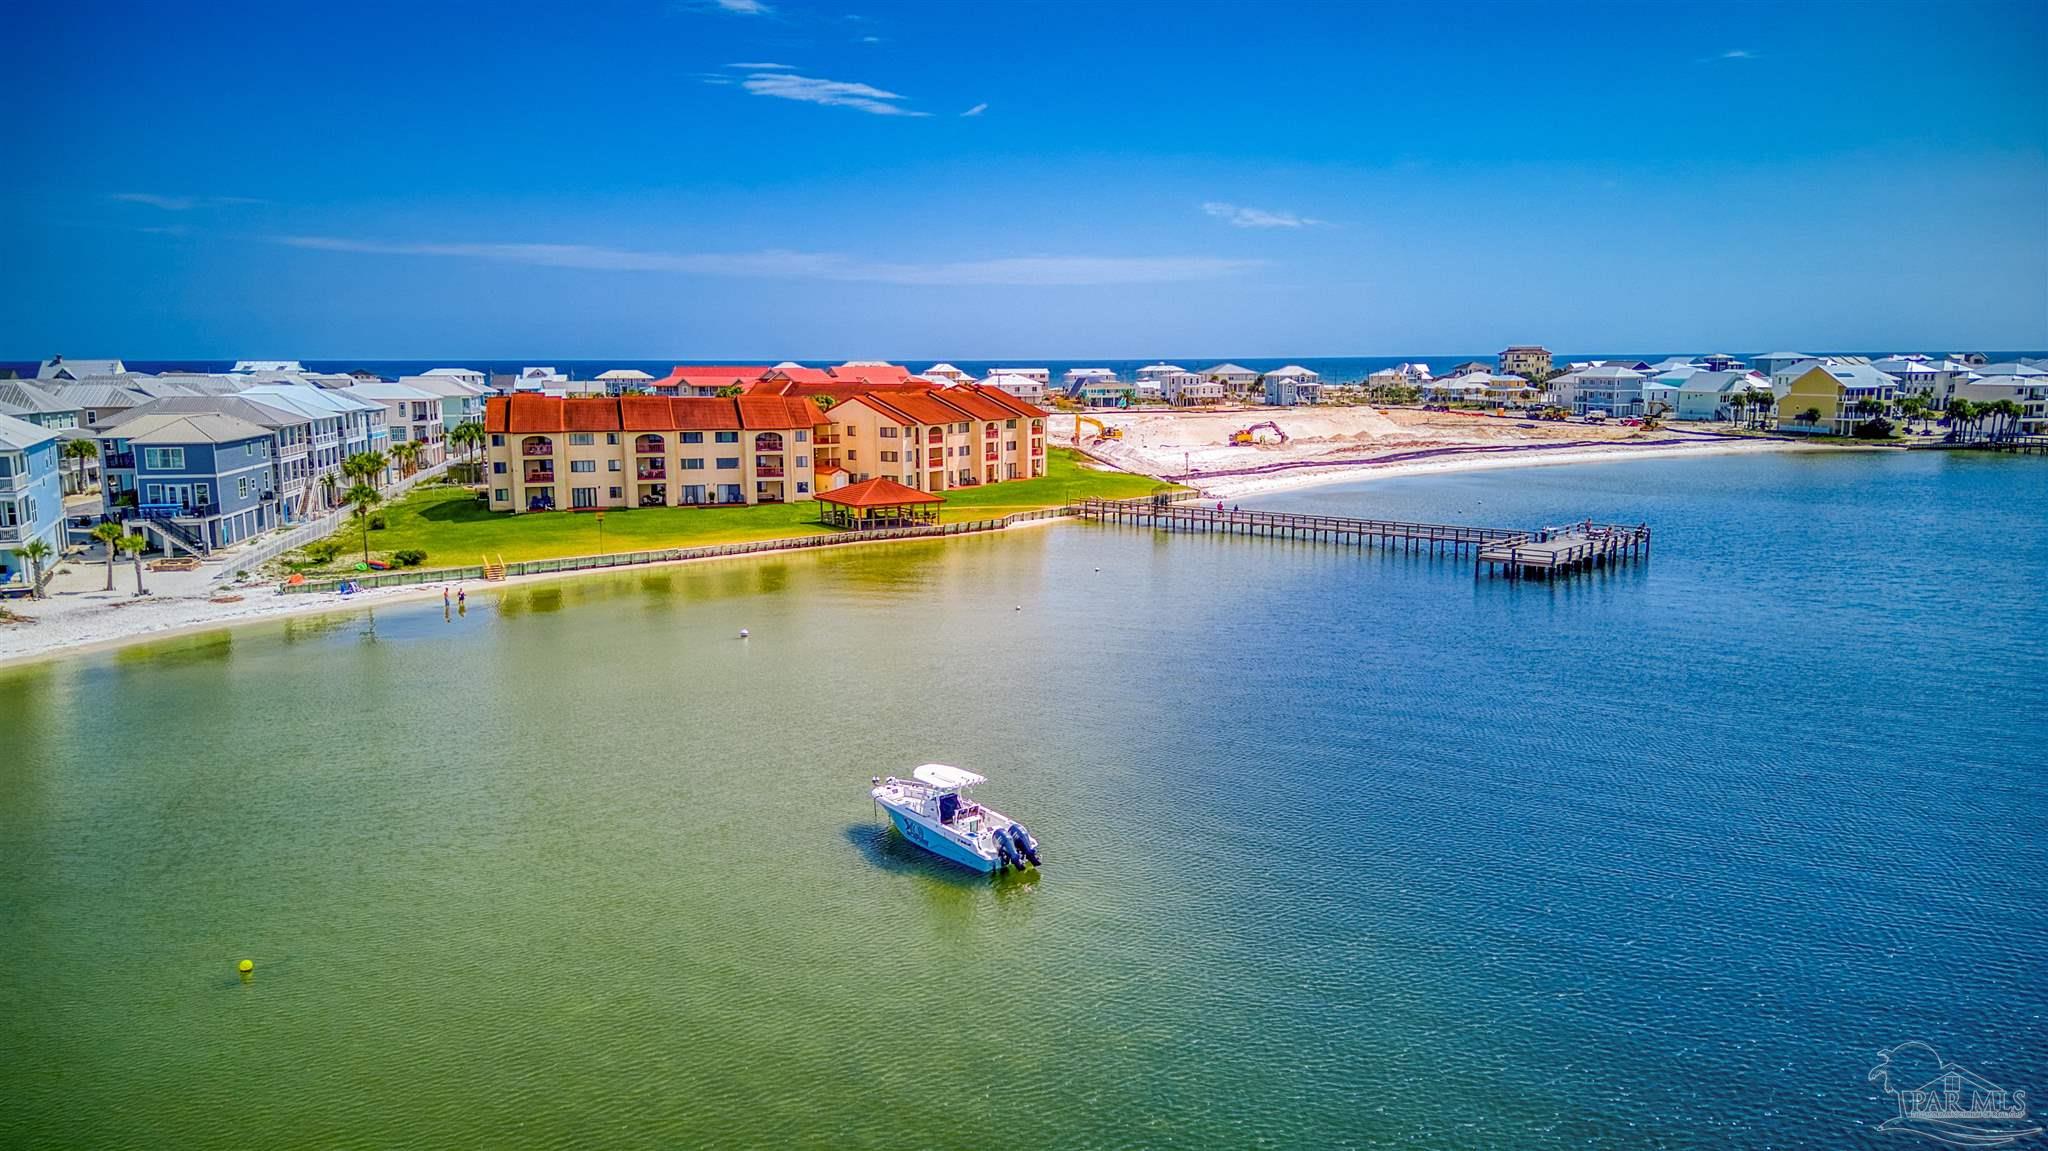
251,556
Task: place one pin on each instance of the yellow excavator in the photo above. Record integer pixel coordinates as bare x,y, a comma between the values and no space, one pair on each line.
1102,431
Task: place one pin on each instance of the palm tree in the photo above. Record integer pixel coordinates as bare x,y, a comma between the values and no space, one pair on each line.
362,497
363,468
2007,413
1761,402
327,486
110,534
35,552
1810,417
135,545
79,451
467,436
1913,408
1961,413
408,454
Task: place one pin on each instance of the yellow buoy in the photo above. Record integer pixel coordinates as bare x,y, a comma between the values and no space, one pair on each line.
246,966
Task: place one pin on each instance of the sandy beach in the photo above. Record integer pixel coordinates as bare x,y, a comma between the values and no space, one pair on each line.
1301,447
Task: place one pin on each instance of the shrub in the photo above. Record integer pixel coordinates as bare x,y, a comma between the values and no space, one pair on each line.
410,557
1877,429
376,523
323,551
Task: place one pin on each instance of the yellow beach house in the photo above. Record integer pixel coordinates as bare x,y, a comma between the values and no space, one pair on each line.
1826,398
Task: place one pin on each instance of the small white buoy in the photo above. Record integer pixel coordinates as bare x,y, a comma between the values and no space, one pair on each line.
743,633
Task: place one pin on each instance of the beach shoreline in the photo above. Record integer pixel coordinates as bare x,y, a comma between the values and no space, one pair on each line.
98,621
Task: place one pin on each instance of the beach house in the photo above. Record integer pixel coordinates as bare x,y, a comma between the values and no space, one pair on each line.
344,423
937,440
411,414
946,373
1770,362
1030,389
59,368
2022,383
1529,361
1704,395
1287,390
1617,391
37,405
1832,399
200,481
1235,378
546,452
461,401
31,494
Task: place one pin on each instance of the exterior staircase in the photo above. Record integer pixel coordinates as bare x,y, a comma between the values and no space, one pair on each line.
172,535
494,570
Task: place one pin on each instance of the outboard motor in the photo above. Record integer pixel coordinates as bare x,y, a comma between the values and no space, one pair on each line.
1026,846
1007,854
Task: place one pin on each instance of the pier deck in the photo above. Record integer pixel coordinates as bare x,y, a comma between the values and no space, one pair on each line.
1511,552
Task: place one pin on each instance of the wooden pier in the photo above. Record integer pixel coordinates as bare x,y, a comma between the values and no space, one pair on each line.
1513,552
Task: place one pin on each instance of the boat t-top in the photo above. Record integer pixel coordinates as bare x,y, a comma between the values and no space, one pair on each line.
932,810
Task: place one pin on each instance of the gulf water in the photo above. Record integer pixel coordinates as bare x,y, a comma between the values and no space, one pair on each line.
1342,848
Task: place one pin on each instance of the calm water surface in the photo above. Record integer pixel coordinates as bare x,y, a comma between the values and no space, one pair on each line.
1343,849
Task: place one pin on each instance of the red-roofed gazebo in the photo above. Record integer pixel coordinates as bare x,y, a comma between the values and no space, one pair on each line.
879,503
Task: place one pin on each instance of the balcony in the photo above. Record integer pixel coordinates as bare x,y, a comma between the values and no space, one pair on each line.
825,440
540,475
647,473
768,471
537,450
1037,449
118,460
178,511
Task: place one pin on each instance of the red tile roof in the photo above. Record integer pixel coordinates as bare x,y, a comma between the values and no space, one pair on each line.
801,375
880,492
521,414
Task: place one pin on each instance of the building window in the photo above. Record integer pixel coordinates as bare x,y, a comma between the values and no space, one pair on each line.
803,461
615,493
612,438
497,467
802,486
501,496
582,465
802,436
726,437
887,433
611,465
889,457
693,437
163,459
580,439
693,464
582,497
728,461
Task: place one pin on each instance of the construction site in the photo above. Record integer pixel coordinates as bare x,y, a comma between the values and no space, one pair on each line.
1233,452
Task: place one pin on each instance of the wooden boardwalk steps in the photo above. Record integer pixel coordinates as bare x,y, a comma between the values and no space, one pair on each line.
1512,552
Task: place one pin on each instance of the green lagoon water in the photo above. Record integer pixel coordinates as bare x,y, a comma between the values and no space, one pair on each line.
1342,848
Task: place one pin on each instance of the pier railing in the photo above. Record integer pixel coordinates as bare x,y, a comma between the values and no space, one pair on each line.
1512,552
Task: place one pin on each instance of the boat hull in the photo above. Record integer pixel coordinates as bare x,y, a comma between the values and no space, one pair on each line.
938,844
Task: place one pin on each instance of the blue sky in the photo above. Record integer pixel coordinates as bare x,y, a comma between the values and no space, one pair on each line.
711,179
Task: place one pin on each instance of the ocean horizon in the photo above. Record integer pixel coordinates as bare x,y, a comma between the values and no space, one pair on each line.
1331,368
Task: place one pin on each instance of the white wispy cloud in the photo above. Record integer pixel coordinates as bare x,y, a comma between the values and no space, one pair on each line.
977,110
1730,54
832,93
1243,217
743,7
180,203
871,39
1030,271
760,67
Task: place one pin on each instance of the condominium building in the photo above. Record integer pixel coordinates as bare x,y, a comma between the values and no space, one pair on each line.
548,452
1530,361
936,440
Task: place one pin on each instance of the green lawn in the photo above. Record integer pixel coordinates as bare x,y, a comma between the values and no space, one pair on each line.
456,529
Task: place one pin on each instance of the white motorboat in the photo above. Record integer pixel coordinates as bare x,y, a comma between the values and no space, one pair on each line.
932,810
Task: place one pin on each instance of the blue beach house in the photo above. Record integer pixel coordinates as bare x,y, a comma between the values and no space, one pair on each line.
31,494
196,481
